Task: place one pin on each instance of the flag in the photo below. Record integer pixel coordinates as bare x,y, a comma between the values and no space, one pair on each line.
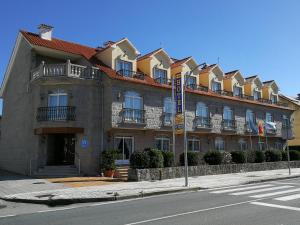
270,127
261,130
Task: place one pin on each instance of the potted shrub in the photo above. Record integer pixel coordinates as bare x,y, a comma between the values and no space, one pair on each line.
108,162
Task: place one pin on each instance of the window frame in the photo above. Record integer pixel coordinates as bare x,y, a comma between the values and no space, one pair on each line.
193,140
216,144
161,139
162,79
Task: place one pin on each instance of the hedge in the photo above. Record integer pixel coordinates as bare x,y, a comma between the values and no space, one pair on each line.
259,156
238,157
139,160
213,157
168,159
156,158
192,157
273,155
294,155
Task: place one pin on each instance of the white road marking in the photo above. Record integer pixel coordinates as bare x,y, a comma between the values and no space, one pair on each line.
190,212
261,190
288,198
276,206
275,193
7,216
242,188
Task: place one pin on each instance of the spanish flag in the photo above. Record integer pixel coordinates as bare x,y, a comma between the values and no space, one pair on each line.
261,130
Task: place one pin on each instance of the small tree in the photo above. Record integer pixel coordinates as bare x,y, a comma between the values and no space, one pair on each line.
139,160
168,159
108,158
192,157
156,158
238,157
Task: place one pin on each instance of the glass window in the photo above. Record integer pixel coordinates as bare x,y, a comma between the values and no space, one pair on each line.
190,81
201,110
168,109
256,95
133,107
269,117
228,113
285,121
215,86
58,98
243,144
273,99
193,144
250,116
124,147
162,143
124,67
219,144
237,91
160,75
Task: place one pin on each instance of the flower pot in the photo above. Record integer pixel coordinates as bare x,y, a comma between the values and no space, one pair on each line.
109,173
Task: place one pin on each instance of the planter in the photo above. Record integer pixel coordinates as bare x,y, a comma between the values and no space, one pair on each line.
109,173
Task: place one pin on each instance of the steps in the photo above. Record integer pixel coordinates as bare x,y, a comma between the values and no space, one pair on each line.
56,171
121,172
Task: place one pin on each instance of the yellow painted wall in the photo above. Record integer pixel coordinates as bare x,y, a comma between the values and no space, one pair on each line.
204,79
144,66
228,84
248,89
176,70
266,92
161,62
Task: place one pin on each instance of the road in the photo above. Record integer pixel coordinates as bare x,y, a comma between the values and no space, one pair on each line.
271,203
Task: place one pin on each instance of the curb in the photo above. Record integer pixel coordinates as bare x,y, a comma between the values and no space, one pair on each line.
2,205
56,202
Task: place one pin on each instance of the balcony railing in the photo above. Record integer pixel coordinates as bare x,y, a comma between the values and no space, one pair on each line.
162,80
265,100
229,124
58,113
203,122
133,116
131,74
167,119
248,97
65,70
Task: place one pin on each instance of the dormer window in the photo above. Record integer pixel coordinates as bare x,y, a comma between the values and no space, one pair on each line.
216,86
190,81
124,68
273,99
256,95
237,91
160,76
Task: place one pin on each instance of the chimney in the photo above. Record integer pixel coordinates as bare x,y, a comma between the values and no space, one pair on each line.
45,32
298,97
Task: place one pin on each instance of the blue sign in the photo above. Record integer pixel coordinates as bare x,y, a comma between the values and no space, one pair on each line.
84,143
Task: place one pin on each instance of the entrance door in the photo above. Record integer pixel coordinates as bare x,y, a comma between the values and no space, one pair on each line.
61,149
124,146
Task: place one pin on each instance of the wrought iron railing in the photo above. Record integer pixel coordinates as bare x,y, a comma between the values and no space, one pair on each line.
57,113
163,80
203,122
229,124
131,74
130,115
167,119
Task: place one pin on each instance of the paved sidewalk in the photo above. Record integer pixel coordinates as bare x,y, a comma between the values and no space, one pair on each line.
139,189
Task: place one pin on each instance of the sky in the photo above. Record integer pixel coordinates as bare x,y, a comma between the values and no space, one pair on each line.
258,37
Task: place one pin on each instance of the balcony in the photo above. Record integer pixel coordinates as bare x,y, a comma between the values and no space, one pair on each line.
228,125
167,119
203,122
248,97
58,113
131,74
163,80
135,116
267,101
65,70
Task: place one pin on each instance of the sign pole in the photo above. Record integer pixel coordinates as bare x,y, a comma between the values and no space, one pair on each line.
173,117
184,137
287,145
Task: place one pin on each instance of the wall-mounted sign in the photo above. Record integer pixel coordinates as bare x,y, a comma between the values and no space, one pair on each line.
84,143
179,118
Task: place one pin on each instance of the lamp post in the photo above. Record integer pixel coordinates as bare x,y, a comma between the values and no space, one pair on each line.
288,126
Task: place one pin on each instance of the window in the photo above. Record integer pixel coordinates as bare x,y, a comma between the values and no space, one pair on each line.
216,86
285,121
124,68
57,98
124,147
162,143
256,95
269,117
168,109
278,146
237,91
160,76
273,99
190,81
193,144
202,114
219,144
133,107
228,121
243,144
250,116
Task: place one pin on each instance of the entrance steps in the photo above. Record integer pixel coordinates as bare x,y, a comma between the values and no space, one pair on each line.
121,172
57,171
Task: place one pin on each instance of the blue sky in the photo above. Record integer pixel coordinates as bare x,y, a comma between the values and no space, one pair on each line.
256,36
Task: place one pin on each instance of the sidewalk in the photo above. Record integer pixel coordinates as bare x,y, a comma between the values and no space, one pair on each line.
128,190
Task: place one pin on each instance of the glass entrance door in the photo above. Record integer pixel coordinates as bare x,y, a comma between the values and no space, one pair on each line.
124,146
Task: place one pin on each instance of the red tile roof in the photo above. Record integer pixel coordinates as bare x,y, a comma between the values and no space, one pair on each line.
207,68
89,53
149,54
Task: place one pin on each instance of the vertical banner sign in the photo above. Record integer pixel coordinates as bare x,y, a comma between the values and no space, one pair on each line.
179,119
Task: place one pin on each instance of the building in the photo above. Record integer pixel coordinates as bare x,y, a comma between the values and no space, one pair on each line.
64,103
294,104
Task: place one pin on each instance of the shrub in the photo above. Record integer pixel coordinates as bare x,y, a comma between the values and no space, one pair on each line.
238,157
168,159
273,156
213,157
139,160
108,158
192,157
226,159
259,156
294,155
284,155
156,158
250,156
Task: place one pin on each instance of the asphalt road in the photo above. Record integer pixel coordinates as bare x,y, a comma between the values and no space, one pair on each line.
272,203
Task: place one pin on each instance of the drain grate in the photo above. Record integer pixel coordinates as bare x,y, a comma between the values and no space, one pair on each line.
38,183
